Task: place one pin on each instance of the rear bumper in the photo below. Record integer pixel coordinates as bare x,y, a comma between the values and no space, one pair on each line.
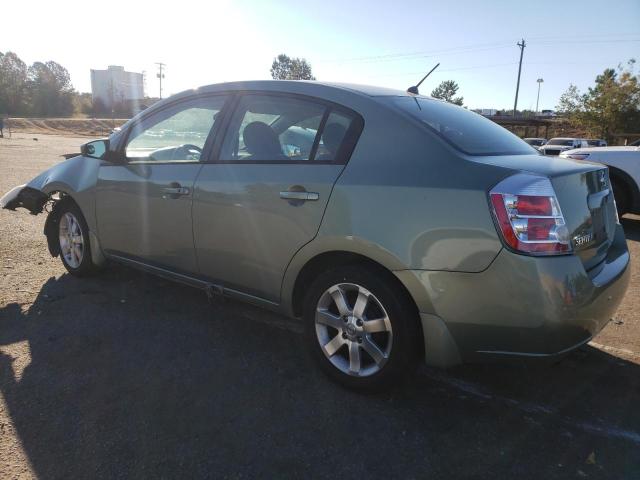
523,306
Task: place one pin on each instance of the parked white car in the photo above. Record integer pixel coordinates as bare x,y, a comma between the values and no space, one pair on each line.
624,172
557,145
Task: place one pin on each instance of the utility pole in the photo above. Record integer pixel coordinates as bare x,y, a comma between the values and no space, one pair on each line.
515,104
540,80
160,75
112,106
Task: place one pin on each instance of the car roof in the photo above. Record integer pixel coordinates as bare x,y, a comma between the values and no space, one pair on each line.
308,85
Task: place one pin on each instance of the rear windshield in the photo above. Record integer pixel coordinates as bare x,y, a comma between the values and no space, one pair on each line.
561,141
467,131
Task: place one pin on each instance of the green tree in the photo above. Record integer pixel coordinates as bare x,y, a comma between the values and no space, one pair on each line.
447,91
50,89
571,102
611,106
82,104
13,84
287,68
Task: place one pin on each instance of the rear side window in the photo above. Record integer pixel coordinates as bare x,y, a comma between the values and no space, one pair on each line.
466,131
280,129
333,137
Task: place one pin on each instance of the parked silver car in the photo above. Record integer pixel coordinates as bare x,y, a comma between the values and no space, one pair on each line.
395,226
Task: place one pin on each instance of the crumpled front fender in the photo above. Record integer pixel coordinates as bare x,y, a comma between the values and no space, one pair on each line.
26,197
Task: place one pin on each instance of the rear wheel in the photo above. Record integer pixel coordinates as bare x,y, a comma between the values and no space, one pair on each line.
73,239
361,328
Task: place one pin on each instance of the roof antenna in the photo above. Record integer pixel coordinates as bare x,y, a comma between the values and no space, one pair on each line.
414,89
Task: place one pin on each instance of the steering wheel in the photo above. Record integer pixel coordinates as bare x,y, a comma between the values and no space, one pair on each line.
188,149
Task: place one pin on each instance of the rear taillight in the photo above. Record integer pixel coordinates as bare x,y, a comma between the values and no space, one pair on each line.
528,215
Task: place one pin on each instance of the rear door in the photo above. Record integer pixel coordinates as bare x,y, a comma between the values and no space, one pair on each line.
263,196
143,204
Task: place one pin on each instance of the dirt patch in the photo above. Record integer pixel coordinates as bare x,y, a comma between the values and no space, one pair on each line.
92,127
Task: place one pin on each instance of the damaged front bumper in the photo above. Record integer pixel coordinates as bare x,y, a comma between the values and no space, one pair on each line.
26,197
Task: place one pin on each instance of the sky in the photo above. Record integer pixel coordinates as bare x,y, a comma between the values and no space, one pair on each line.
384,43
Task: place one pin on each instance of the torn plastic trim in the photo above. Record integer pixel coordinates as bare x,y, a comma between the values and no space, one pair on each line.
26,197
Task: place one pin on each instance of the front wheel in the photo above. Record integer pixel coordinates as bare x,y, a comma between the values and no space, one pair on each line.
73,240
361,327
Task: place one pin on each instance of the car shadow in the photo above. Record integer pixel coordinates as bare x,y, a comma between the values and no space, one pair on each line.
128,375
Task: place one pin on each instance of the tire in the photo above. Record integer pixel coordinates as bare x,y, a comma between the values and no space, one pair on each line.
72,235
343,347
622,197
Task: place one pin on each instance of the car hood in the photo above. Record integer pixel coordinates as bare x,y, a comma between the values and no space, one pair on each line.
75,176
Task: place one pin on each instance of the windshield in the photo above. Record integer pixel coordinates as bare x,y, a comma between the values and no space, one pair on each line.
467,131
534,141
561,141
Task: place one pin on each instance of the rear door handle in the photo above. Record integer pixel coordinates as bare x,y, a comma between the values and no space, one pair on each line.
304,196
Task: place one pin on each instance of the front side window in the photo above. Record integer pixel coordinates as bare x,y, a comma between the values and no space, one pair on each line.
466,131
276,128
177,134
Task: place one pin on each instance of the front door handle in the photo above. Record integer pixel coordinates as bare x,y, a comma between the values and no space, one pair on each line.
304,196
175,191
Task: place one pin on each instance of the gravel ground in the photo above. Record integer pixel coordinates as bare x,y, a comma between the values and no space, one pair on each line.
125,375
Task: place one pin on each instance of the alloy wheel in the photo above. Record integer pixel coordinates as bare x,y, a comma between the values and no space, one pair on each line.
71,240
353,329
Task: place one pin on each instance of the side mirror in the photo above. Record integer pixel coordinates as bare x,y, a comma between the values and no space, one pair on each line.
95,149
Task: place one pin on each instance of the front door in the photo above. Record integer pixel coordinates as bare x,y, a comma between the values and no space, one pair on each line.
143,205
264,197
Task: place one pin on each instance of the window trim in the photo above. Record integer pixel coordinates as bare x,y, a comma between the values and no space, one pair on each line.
175,106
345,152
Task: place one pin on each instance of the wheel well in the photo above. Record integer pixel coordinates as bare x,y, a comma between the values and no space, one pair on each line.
50,230
623,178
328,260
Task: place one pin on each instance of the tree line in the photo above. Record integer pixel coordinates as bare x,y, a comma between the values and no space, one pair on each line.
42,89
610,107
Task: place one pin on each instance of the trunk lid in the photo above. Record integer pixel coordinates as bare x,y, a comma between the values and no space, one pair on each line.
584,192
587,203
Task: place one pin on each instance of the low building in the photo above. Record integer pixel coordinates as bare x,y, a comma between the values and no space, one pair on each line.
114,86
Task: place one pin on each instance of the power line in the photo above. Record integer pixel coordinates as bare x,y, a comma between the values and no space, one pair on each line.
423,53
546,41
474,67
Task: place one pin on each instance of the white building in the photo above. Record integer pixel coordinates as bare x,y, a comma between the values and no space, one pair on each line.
115,86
